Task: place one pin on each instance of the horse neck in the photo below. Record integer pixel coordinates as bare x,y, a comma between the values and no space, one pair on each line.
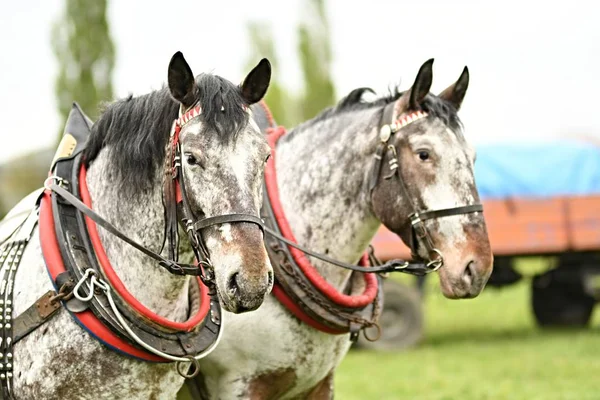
321,173
141,217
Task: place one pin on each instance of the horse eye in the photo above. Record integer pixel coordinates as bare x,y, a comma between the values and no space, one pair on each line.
424,155
190,159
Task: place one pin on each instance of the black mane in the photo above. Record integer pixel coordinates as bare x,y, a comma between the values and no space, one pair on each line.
137,128
354,101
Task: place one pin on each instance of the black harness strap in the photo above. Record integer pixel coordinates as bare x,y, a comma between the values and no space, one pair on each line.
170,265
225,219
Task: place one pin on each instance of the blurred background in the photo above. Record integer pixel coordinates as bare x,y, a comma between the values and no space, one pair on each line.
531,112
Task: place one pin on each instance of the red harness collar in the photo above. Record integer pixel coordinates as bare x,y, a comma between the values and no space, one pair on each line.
87,319
357,301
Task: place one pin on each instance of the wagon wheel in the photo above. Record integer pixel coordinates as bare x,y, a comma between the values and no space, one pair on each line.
560,302
401,320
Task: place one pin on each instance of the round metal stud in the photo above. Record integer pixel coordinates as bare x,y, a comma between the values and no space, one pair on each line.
384,133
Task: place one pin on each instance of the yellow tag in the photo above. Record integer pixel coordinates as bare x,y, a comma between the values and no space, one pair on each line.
65,148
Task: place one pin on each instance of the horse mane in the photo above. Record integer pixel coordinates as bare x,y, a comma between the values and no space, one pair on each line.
137,128
354,101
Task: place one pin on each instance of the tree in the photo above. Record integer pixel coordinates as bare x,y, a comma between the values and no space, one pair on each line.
315,57
314,50
86,56
280,101
82,44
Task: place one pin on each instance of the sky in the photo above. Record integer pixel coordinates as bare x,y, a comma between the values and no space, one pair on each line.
534,65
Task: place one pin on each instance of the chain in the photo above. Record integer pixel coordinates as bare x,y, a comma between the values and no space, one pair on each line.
65,292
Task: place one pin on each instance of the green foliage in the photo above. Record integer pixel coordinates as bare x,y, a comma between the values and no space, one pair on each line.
315,57
21,176
314,50
85,52
82,45
279,100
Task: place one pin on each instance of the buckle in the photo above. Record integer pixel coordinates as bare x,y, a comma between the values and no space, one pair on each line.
56,180
436,263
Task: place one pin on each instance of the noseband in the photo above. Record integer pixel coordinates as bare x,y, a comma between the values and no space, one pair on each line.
418,231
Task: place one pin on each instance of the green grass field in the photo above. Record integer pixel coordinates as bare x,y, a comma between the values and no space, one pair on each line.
485,348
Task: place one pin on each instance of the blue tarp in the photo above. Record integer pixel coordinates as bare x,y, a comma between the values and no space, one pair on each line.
538,170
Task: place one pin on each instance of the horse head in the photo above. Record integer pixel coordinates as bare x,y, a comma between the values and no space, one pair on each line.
222,156
435,186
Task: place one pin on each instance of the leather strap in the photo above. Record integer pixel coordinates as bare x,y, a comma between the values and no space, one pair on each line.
396,265
447,212
228,218
170,265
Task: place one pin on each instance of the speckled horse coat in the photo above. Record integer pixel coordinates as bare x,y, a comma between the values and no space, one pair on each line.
322,172
224,161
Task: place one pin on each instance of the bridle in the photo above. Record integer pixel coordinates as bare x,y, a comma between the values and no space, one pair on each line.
174,195
418,232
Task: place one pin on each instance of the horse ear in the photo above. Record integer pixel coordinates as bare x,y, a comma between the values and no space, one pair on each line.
411,99
257,82
181,81
455,93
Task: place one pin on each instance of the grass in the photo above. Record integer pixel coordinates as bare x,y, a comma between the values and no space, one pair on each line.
480,349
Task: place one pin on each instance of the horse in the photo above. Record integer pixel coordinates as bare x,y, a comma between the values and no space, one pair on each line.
401,161
216,154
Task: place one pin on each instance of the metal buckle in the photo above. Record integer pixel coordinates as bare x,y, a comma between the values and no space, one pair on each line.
402,266
57,179
436,263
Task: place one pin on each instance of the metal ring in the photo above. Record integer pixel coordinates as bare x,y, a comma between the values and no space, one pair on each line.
438,262
377,335
195,371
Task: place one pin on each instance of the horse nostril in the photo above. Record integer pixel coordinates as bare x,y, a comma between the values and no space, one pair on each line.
270,283
469,273
232,285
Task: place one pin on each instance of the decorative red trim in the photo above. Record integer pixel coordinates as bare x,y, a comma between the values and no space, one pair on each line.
118,286
358,301
55,266
189,115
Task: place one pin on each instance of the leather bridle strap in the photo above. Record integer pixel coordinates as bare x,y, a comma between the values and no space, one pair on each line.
171,266
228,218
447,212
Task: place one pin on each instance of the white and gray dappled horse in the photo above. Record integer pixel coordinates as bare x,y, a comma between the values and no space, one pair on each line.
220,157
324,173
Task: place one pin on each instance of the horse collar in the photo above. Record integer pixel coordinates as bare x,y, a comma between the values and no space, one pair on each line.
298,286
